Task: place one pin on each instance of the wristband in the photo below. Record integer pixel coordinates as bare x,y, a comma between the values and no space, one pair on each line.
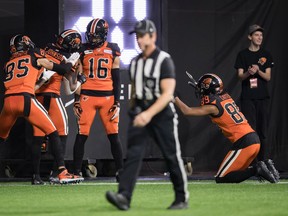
76,98
62,68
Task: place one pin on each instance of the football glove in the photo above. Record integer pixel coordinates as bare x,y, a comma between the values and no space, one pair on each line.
73,58
114,110
81,78
77,109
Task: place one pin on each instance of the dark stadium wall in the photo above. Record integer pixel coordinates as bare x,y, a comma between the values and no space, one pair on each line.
12,23
35,19
203,36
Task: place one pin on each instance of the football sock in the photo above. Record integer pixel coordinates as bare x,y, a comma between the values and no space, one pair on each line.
78,152
116,150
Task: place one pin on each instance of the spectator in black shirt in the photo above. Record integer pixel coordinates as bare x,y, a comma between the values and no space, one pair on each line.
253,66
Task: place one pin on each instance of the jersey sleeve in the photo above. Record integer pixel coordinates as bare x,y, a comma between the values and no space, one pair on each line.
115,49
39,53
213,100
167,68
36,54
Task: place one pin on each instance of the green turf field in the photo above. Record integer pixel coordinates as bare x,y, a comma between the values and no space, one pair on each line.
150,199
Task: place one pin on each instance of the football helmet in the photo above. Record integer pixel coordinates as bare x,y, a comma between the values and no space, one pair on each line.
20,43
210,84
96,32
70,40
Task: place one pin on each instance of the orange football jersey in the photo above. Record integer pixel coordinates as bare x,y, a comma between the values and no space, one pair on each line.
231,121
22,72
97,64
53,85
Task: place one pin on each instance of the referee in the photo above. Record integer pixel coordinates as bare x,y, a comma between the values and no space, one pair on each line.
152,113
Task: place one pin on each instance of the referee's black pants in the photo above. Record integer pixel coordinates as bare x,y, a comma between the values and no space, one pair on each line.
164,131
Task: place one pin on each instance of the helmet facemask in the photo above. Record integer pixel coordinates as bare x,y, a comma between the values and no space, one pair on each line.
96,33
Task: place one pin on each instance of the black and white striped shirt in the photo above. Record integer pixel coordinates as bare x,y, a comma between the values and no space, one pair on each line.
146,75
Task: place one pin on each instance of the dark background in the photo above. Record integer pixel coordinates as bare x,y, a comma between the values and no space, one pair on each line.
202,36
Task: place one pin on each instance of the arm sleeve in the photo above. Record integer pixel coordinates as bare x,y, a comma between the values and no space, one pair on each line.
61,69
115,72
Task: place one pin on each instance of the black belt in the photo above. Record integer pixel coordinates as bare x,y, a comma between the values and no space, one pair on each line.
21,93
48,94
97,93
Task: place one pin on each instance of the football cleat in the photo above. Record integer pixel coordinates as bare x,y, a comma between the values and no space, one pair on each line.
54,180
67,178
270,165
78,173
262,172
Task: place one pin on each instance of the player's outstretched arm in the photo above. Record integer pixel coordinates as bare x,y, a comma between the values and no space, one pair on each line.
196,111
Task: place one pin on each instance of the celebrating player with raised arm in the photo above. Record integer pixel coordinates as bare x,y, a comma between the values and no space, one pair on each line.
223,111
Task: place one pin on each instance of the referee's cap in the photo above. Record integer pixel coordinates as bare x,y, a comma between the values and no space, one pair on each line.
144,26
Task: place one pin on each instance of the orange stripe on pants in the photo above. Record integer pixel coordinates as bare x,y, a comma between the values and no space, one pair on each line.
238,159
57,114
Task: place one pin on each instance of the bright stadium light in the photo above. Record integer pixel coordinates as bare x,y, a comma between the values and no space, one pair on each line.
121,16
98,8
117,10
140,9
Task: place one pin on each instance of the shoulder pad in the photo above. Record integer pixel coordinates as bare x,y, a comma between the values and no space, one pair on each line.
115,48
39,53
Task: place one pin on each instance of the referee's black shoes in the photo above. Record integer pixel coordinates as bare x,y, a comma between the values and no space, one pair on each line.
118,200
178,205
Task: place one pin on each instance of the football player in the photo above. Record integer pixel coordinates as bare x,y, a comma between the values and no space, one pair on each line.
22,71
100,63
48,94
224,112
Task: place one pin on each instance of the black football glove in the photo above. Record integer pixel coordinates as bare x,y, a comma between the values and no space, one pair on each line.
114,110
81,78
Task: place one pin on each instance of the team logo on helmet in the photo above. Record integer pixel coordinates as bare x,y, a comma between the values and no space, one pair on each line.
210,84
20,43
26,40
206,83
70,40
